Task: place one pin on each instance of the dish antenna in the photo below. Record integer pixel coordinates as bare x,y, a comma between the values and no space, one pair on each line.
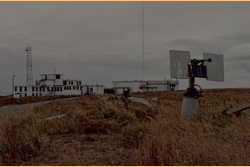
182,67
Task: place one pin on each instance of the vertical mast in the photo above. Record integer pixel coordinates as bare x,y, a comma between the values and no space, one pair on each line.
143,40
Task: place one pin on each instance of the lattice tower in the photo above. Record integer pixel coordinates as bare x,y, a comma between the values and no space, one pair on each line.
29,76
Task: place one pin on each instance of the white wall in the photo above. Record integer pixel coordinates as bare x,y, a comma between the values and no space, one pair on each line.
94,89
133,85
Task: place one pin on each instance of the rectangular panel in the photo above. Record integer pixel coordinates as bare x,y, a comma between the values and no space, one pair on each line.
179,64
215,68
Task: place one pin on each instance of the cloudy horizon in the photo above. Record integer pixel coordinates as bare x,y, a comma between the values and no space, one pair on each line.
103,41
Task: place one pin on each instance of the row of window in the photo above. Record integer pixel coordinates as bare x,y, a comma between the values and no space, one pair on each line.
33,94
42,89
73,87
71,82
21,89
33,89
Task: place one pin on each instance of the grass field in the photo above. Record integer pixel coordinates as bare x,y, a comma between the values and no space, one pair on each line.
94,131
8,100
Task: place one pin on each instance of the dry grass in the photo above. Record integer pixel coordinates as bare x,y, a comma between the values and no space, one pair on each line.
8,100
94,127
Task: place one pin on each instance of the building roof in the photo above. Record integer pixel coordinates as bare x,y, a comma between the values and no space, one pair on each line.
51,74
127,81
149,81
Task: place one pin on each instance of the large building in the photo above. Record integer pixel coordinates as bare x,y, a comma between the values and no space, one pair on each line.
145,86
54,84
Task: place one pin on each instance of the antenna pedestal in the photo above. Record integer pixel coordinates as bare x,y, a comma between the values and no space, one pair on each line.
190,103
190,107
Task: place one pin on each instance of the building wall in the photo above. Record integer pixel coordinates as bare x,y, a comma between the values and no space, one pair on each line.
45,91
23,91
145,86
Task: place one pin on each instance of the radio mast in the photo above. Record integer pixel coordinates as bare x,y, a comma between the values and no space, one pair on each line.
29,75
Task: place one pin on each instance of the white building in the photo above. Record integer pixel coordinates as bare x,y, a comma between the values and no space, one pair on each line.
144,86
54,84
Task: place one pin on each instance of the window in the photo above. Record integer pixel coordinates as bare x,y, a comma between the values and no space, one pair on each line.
64,87
69,87
33,88
36,94
25,94
40,89
60,88
57,76
64,82
73,88
20,89
40,94
25,89
48,89
15,89
80,83
77,87
37,89
20,95
90,89
32,94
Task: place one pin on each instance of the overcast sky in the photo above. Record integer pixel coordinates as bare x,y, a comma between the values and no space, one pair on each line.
103,41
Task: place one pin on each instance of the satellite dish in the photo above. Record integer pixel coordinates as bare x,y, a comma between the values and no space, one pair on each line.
215,68
179,64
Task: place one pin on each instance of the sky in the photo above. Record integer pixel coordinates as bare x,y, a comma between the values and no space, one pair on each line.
101,42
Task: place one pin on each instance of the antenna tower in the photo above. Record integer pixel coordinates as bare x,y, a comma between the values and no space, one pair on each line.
29,76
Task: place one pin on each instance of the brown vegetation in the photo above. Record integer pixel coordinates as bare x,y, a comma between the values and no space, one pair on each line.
9,100
94,131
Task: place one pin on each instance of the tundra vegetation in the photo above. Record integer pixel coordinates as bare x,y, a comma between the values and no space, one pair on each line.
94,131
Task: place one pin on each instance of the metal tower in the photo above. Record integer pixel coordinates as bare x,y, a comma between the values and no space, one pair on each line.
29,76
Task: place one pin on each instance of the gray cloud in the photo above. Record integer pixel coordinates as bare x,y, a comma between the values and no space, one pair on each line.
103,40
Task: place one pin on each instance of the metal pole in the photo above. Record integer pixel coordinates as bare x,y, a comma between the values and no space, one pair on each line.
143,41
13,89
54,80
13,85
191,83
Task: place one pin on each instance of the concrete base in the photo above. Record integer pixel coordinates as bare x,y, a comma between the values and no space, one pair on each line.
190,107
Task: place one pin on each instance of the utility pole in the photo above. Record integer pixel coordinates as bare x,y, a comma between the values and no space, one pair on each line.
13,88
54,80
13,84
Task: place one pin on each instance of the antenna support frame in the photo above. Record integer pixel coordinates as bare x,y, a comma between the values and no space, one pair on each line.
196,68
